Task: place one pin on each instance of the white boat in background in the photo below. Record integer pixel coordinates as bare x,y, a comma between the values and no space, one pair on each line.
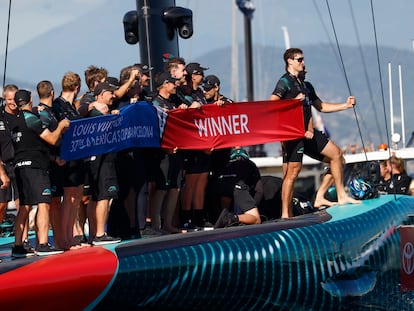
310,175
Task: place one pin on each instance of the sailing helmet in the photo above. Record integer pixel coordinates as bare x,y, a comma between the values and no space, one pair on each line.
360,189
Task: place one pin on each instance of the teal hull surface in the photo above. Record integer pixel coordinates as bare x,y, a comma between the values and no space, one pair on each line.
343,258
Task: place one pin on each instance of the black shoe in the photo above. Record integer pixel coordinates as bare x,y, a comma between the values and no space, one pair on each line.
105,239
27,246
189,226
207,226
148,232
232,220
80,239
226,219
19,251
47,249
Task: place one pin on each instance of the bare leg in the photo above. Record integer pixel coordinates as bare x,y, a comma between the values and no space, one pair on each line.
251,217
130,203
55,220
170,207
155,208
291,173
151,193
200,191
71,200
91,213
20,223
3,206
334,154
142,201
320,200
188,191
101,215
25,235
42,222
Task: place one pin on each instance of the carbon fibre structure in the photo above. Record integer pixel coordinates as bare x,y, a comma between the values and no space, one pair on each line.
346,257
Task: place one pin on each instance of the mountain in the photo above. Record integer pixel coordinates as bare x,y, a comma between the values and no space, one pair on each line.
76,45
73,47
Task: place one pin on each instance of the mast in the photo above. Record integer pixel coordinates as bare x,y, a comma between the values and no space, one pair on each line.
391,102
234,57
402,106
286,37
7,46
248,57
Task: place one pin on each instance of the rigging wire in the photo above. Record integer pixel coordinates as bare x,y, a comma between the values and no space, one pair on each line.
380,75
331,45
7,46
382,91
346,79
364,64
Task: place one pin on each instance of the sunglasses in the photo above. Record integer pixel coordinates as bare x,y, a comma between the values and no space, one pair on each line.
299,59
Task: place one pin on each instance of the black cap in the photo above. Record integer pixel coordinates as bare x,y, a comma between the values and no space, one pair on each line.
22,97
145,69
103,87
113,81
195,68
163,78
210,81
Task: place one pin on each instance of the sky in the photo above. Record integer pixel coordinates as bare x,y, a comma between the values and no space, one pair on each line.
307,21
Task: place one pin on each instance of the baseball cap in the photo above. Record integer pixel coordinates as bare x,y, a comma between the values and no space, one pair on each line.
145,69
163,78
103,87
195,68
210,81
113,81
22,97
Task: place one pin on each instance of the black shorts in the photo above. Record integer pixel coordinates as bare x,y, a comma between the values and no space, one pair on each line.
152,158
56,179
33,185
74,173
293,150
171,167
130,172
11,192
102,177
243,200
196,162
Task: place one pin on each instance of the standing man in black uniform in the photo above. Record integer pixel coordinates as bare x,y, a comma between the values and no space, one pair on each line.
6,168
168,164
9,113
46,94
32,162
314,143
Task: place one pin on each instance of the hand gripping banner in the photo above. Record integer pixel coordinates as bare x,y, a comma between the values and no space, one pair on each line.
210,127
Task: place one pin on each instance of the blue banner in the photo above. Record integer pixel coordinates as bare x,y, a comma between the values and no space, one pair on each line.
135,126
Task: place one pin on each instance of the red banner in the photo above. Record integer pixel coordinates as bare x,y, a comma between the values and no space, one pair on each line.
407,257
235,124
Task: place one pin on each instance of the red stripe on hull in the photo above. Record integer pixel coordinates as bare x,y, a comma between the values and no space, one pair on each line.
68,281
